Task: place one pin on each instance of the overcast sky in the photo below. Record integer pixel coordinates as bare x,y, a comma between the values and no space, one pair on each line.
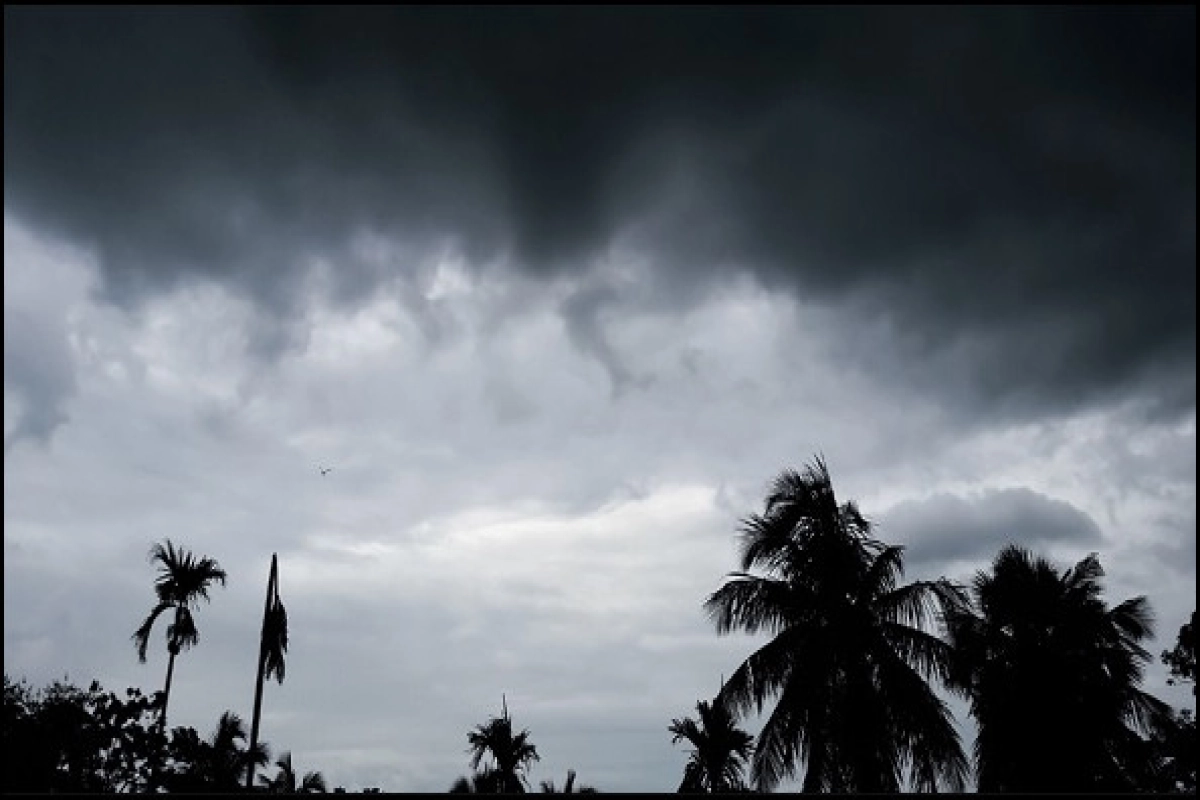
556,293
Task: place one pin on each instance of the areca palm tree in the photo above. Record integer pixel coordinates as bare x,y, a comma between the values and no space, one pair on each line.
850,658
720,749
511,754
273,644
183,580
1052,676
285,782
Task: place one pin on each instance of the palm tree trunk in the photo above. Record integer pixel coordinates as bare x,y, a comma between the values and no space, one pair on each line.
162,720
262,663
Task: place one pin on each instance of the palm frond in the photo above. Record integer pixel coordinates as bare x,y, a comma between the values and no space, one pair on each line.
275,636
750,603
141,636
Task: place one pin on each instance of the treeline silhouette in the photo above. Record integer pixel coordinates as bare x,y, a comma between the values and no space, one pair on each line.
849,675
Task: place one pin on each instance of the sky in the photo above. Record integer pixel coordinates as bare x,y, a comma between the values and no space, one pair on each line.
556,293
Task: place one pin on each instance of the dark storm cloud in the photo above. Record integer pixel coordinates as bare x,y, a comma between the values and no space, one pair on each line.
947,527
1009,194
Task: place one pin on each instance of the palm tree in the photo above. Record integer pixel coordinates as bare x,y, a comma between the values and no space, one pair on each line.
273,643
511,754
720,749
230,760
284,781
182,581
216,764
548,787
850,658
1052,676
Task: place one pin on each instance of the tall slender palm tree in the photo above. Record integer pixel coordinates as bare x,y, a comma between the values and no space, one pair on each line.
511,753
1052,676
272,645
720,749
285,781
850,655
183,580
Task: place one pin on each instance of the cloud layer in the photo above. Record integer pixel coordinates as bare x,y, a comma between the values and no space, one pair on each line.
556,293
1004,200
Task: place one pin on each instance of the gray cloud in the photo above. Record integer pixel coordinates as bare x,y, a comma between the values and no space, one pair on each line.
556,293
39,370
949,527
1010,193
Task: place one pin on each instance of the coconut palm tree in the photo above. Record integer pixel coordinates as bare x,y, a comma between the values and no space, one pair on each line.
273,644
183,580
850,655
1052,675
284,781
511,753
720,749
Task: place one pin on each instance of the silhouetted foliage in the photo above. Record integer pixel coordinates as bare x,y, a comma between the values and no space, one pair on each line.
510,753
218,764
1052,675
66,739
850,657
183,580
485,781
1176,748
1182,659
569,787
285,781
720,749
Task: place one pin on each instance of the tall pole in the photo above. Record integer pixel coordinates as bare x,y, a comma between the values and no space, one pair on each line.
262,662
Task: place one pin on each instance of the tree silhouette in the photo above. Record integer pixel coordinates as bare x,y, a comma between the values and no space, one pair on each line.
548,787
850,658
67,739
1182,659
510,753
1178,747
183,580
1052,676
720,749
482,782
273,643
220,763
285,782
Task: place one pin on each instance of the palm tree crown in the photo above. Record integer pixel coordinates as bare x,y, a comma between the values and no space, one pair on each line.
285,782
216,764
183,580
720,749
1052,675
850,655
511,753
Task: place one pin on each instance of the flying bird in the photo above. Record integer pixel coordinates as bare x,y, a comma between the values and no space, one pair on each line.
325,470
